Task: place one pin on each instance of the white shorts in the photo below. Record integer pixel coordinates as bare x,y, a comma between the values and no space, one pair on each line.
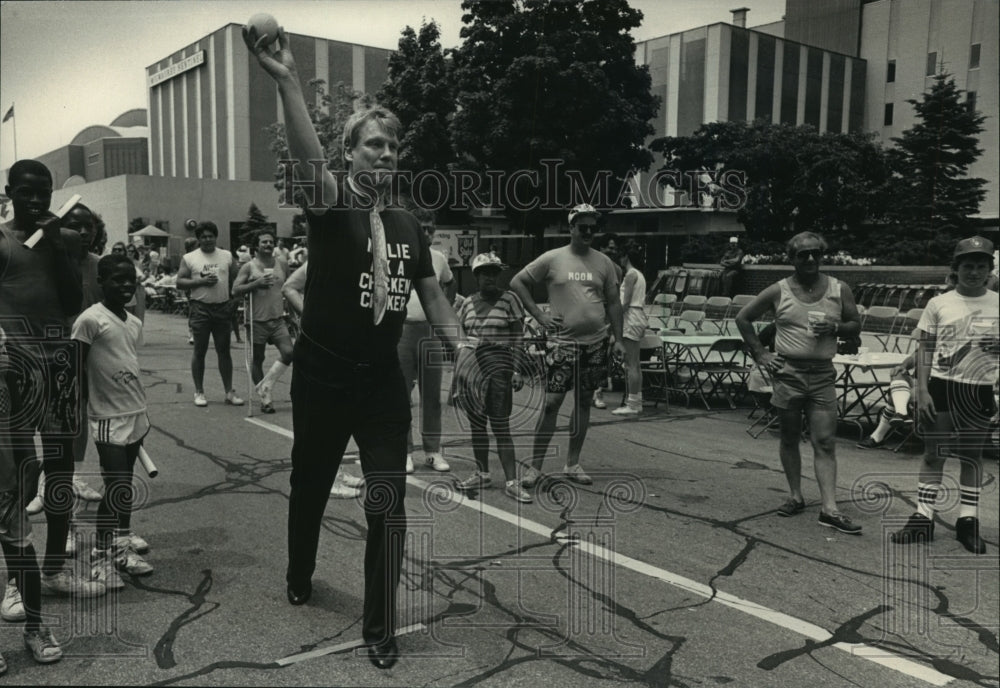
121,431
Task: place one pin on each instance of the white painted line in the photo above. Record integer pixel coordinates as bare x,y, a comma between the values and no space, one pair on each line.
343,647
809,630
284,432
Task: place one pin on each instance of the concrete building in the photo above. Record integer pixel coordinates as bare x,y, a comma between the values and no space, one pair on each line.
210,103
907,42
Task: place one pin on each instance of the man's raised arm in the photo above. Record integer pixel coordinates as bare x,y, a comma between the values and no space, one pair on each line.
303,142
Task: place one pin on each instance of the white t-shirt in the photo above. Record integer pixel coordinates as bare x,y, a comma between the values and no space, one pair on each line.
415,311
220,261
112,363
959,325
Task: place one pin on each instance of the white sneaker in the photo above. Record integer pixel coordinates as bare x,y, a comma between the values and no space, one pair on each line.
85,491
409,463
138,544
232,399
342,491
514,490
349,480
66,583
103,570
35,506
437,462
126,559
199,399
12,608
599,400
71,544
625,411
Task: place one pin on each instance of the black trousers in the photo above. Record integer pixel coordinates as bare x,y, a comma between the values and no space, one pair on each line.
334,399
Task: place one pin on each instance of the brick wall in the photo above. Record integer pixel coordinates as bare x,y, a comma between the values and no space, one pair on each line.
755,277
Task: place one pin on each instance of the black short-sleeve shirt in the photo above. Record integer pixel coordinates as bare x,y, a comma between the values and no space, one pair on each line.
337,310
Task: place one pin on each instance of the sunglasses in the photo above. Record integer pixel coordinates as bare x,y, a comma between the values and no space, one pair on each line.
815,254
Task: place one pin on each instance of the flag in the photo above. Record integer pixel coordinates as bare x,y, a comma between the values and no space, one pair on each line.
9,114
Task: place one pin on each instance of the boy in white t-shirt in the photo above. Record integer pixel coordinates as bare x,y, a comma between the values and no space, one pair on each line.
108,336
957,368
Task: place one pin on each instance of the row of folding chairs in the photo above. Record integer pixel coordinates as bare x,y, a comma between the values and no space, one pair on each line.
902,296
891,328
695,311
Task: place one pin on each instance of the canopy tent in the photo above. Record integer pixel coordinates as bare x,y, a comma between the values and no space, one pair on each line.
150,231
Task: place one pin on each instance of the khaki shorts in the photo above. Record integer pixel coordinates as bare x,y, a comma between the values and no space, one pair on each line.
121,431
805,386
635,324
271,331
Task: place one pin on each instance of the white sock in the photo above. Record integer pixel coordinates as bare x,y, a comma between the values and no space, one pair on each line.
969,505
900,392
926,497
277,370
883,426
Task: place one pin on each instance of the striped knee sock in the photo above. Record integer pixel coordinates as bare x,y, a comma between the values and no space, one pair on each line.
926,497
970,501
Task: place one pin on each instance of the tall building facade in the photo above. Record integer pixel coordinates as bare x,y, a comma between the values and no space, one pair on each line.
907,42
209,103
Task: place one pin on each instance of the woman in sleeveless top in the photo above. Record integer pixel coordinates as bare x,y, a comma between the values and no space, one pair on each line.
810,311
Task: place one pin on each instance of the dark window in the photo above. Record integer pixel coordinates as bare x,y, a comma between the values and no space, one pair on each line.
974,56
931,64
789,84
739,65
814,86
765,78
887,119
970,99
890,72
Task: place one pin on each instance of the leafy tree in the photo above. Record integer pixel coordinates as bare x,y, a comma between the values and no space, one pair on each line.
136,223
794,178
543,80
419,89
328,112
933,195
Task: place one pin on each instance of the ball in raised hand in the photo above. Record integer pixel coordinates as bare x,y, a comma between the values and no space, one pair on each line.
264,25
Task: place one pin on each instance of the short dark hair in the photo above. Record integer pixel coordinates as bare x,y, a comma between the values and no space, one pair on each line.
636,254
424,216
207,226
107,265
255,239
602,240
24,167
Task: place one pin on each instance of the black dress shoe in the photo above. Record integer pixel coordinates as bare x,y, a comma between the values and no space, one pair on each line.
384,655
300,595
918,528
967,532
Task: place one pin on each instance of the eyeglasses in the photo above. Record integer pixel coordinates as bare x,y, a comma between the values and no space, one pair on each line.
814,253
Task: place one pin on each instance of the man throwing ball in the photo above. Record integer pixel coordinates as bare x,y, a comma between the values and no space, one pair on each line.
347,381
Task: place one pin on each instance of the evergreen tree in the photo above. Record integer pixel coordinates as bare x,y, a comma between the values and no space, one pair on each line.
255,220
934,196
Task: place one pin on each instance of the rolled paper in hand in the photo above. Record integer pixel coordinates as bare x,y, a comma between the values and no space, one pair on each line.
147,463
65,208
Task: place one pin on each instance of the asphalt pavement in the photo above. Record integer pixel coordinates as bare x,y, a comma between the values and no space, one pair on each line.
672,569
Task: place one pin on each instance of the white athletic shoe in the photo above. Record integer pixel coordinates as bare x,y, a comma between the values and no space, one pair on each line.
436,461
12,608
349,480
409,463
199,399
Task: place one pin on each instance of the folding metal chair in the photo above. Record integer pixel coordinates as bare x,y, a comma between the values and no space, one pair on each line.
716,309
654,370
879,322
718,366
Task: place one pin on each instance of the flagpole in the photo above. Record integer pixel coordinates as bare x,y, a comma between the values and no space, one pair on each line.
13,118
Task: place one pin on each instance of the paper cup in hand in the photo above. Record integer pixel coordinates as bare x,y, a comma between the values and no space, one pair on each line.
815,318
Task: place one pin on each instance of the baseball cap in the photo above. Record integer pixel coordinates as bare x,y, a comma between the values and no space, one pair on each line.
976,244
734,240
487,260
584,209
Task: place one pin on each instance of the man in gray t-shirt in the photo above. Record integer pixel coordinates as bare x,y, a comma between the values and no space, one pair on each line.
582,288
